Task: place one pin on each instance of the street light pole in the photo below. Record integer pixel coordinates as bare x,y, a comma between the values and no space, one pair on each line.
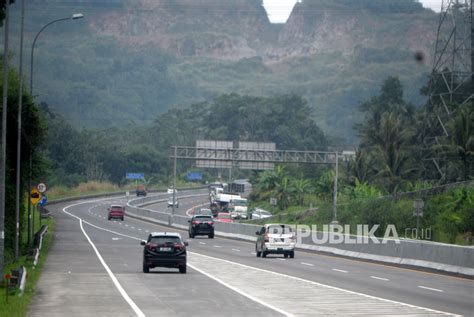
18,144
72,17
174,185
334,206
3,154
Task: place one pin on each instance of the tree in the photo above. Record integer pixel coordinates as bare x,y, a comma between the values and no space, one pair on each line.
33,133
3,4
283,192
387,135
458,148
300,188
392,141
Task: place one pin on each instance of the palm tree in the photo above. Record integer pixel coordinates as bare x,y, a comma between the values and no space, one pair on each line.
392,141
268,180
282,192
460,144
300,188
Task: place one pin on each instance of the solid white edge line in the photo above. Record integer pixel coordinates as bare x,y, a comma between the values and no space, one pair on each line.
380,278
328,286
431,289
119,287
240,292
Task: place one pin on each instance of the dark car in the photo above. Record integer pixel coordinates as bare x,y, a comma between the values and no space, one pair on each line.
204,212
140,191
116,212
201,225
164,249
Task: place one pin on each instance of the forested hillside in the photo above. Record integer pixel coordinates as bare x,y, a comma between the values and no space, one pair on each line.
129,61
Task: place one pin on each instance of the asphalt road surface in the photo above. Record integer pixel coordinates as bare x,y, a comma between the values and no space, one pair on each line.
95,268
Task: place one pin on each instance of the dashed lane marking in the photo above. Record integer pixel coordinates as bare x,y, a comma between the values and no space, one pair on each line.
431,289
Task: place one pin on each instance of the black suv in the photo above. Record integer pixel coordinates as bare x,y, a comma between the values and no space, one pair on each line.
164,249
201,225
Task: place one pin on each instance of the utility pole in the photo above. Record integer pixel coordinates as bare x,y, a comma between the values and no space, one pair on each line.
174,185
334,202
18,144
3,154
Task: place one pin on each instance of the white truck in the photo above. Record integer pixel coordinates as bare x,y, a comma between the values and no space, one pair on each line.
238,208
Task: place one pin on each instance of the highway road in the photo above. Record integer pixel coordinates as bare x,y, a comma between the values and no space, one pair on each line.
94,268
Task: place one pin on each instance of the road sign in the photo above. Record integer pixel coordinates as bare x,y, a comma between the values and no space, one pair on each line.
194,176
135,176
43,200
41,187
273,201
418,205
35,196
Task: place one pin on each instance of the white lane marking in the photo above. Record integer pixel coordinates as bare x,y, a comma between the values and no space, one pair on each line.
337,270
188,212
431,289
115,238
140,229
325,285
120,223
308,264
202,242
236,250
281,259
263,270
217,246
112,276
126,225
380,278
147,231
241,292
132,227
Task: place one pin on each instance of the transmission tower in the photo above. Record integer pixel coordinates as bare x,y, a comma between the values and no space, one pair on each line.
452,77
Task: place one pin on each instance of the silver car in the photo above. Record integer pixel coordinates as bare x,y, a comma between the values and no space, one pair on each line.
261,214
276,239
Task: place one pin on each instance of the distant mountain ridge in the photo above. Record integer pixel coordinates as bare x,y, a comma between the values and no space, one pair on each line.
241,29
134,59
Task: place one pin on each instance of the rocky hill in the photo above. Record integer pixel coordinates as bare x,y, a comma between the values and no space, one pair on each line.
134,59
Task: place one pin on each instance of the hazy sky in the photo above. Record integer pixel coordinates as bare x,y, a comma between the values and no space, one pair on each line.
279,10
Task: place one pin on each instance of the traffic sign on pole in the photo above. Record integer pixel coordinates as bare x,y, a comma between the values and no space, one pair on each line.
41,187
43,201
35,196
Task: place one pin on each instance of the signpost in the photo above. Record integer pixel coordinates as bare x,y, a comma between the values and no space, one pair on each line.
135,176
194,176
43,200
35,196
273,202
418,205
41,187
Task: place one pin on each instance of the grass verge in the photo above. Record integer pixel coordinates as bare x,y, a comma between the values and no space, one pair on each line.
18,304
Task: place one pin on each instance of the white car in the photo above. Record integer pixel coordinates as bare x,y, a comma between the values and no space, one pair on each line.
261,214
275,238
171,190
170,203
